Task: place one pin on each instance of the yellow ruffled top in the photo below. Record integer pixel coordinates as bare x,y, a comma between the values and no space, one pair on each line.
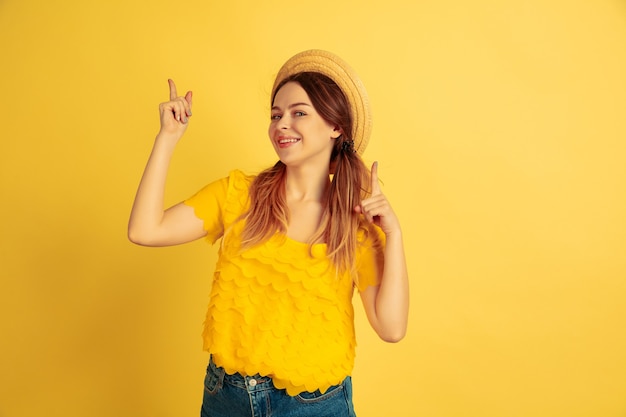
279,309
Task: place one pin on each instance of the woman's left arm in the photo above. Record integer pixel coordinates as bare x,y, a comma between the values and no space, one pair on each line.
387,304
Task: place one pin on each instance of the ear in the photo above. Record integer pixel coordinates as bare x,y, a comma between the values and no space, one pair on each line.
336,132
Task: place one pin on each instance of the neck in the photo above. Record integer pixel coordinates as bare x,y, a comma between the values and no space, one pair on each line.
306,183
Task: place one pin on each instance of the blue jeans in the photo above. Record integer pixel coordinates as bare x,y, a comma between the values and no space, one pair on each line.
255,396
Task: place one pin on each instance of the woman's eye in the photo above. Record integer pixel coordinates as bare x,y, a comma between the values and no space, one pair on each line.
275,117
300,113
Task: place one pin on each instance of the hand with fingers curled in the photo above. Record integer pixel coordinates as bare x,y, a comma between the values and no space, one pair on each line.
175,113
377,209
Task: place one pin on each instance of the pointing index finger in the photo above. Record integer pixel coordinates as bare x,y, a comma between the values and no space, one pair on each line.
173,93
375,185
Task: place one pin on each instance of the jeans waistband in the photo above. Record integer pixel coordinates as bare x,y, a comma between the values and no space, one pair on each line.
252,383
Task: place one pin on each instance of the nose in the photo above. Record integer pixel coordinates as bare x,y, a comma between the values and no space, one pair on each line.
283,123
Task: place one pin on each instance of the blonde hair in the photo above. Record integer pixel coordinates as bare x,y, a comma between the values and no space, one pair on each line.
268,212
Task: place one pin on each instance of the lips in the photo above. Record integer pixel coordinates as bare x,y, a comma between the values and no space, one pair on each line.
286,141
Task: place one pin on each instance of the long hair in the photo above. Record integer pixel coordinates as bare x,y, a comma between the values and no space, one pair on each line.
338,228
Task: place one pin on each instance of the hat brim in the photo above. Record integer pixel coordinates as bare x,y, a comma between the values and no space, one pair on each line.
345,77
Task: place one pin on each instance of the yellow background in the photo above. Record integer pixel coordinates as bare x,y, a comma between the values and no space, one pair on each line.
500,131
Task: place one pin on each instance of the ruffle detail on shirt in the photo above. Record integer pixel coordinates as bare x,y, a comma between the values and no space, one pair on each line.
370,257
276,311
237,201
280,309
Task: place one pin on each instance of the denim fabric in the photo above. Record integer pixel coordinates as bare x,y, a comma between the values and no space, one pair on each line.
255,396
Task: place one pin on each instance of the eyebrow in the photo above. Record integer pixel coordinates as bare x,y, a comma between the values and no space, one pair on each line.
292,106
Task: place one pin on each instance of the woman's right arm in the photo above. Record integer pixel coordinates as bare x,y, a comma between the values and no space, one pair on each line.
150,224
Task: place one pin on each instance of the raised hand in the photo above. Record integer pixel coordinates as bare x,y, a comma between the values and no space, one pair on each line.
376,207
387,304
149,223
175,113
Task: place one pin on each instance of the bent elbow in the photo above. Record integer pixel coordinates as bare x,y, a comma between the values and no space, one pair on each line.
136,237
392,336
132,236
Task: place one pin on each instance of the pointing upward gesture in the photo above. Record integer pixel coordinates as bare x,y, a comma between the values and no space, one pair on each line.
175,113
387,305
149,224
377,209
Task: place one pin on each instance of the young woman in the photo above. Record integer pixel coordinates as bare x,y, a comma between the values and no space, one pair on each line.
295,242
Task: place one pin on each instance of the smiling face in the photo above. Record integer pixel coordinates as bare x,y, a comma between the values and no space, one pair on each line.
297,131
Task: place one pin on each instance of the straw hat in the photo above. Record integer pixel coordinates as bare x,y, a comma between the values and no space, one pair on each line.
340,72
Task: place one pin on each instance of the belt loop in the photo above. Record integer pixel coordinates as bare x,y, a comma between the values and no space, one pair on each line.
219,371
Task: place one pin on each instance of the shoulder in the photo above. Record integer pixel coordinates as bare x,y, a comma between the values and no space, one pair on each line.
369,235
370,255
238,186
239,180
236,183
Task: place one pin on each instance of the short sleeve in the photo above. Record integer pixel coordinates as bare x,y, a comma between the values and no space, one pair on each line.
207,204
370,256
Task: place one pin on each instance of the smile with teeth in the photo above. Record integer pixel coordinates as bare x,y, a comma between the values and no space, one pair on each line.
286,141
